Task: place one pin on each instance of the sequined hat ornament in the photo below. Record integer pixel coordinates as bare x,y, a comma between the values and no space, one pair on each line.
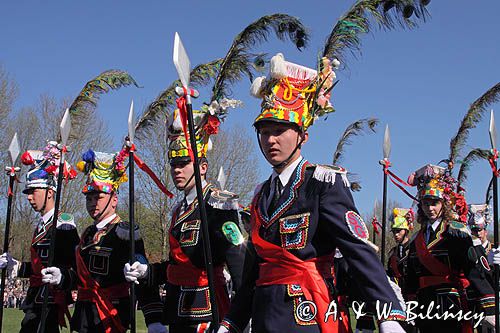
44,167
293,93
105,171
403,218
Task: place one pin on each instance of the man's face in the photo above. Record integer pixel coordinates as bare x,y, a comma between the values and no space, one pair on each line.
432,208
97,204
480,233
183,174
279,140
399,235
36,197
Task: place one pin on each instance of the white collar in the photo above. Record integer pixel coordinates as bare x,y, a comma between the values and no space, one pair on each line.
103,223
47,216
486,243
435,224
191,195
287,172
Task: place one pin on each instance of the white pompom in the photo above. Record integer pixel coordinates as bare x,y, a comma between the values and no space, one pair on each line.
257,85
335,63
278,67
176,123
209,145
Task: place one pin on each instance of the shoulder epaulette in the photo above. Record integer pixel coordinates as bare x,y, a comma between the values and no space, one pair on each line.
458,229
123,231
328,173
222,199
258,188
66,221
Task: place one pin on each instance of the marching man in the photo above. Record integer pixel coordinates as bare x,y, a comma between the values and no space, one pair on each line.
40,188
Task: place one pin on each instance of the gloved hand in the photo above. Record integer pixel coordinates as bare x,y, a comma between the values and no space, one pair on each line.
222,329
391,326
490,320
496,256
135,271
6,260
51,275
157,328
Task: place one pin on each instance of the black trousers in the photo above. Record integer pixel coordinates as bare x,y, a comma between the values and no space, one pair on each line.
32,317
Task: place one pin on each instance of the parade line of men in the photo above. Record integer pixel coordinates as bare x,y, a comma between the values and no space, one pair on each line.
282,275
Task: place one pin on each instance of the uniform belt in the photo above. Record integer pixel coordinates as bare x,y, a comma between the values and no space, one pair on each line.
191,276
270,273
458,281
112,293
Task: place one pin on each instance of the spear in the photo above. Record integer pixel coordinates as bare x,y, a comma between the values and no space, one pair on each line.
65,128
493,140
130,144
11,172
385,165
183,67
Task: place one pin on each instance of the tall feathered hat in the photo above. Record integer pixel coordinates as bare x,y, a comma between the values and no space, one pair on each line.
479,216
436,182
206,123
293,93
44,167
402,218
105,171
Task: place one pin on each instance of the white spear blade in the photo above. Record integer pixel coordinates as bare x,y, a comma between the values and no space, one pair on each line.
221,178
493,131
387,142
131,125
14,149
65,127
181,61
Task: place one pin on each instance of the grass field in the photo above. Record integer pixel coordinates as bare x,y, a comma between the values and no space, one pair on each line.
12,321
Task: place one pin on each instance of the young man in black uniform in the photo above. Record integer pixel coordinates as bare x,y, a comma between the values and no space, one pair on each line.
402,223
440,267
103,303
40,188
300,215
187,306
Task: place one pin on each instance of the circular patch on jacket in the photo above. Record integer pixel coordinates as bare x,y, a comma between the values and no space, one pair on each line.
232,233
356,225
485,264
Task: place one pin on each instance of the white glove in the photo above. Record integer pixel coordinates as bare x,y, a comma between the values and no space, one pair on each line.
496,256
222,329
391,326
157,328
51,275
6,260
135,271
490,321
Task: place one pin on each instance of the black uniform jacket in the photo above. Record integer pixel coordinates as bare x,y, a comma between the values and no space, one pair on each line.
185,302
314,215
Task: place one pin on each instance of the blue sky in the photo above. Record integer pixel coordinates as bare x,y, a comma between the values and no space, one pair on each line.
420,82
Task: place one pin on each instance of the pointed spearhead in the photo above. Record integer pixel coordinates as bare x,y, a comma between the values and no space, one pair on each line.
131,126
65,127
221,178
14,149
387,143
493,131
181,61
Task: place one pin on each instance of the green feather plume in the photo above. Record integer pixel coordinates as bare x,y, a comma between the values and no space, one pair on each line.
238,62
474,155
88,97
356,128
470,120
387,14
199,76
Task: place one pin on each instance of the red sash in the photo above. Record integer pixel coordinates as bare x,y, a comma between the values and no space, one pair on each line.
187,274
282,267
441,274
59,295
90,290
